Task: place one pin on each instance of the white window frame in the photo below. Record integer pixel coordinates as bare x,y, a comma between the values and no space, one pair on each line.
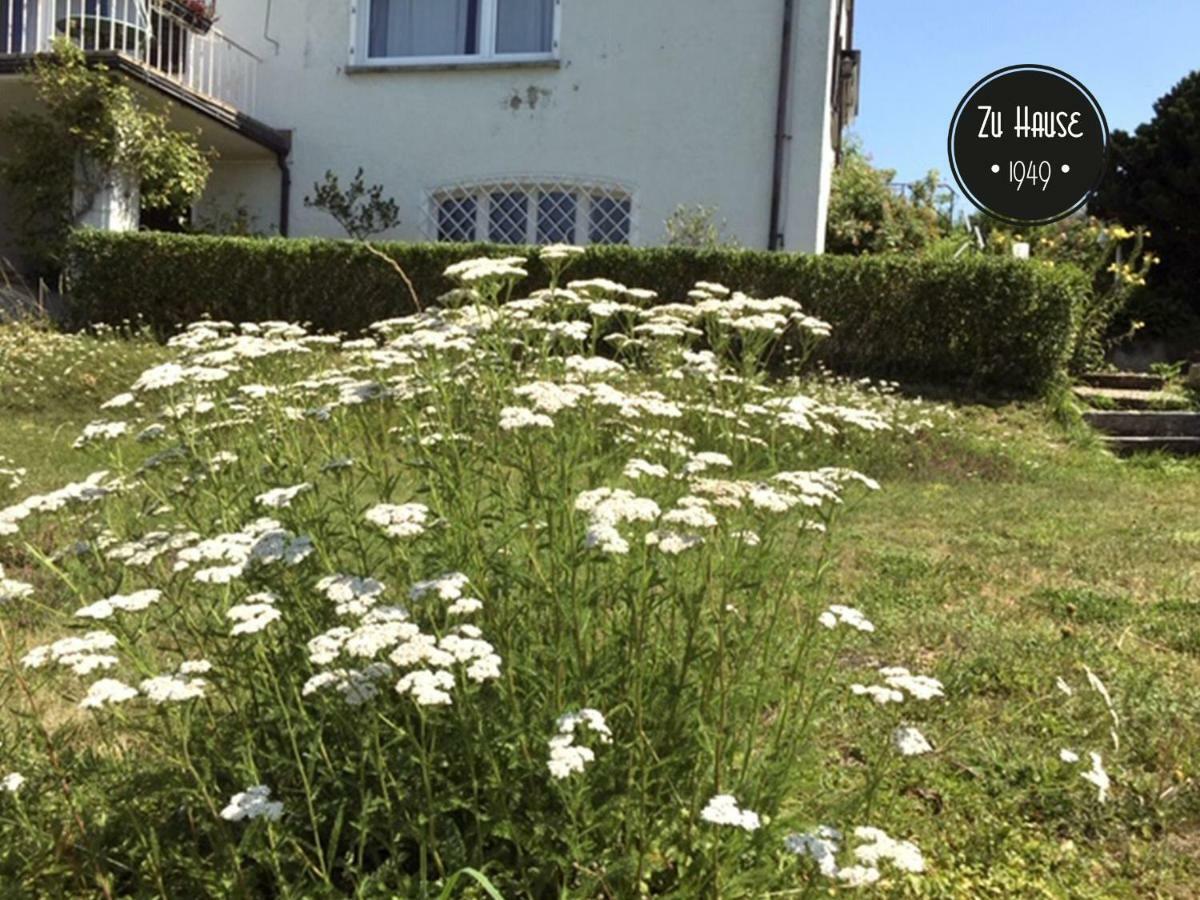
360,50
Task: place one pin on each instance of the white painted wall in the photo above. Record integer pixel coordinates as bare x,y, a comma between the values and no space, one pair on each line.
674,98
242,184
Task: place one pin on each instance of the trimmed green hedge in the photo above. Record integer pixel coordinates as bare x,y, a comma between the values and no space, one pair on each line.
984,321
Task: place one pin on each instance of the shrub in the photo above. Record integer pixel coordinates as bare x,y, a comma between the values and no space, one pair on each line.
1116,262
867,215
989,322
91,122
353,616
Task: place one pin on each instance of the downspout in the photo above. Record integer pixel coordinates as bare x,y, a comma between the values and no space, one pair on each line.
285,173
775,235
841,44
285,193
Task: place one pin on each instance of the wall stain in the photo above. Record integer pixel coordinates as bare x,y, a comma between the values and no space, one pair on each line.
530,97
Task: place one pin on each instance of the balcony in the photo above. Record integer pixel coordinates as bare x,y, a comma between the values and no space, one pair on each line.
163,37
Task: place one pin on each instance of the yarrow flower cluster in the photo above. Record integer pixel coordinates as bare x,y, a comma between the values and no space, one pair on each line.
79,654
347,422
135,602
253,614
723,809
846,615
253,803
875,847
404,521
261,542
566,756
426,660
11,589
897,681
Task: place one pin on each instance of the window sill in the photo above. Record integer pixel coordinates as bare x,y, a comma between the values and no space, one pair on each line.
443,66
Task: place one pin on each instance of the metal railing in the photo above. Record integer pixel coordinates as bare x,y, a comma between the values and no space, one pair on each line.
156,33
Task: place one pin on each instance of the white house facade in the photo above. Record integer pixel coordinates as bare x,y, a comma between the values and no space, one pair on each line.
522,121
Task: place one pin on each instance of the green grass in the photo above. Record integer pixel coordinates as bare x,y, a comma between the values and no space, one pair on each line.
1013,557
1005,552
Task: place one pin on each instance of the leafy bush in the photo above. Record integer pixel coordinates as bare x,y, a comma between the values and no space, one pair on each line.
1113,257
867,215
93,122
351,617
362,211
989,322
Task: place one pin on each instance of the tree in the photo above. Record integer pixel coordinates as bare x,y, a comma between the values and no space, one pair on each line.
866,214
1154,181
90,121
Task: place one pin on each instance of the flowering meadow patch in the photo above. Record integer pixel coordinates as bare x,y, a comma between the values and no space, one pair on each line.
527,586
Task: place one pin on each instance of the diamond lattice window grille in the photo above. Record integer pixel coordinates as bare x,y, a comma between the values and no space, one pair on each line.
531,211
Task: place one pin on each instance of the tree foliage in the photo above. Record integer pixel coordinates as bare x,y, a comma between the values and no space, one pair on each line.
697,227
866,215
89,121
362,211
1154,181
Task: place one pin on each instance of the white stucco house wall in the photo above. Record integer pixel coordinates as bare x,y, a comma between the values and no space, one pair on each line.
511,120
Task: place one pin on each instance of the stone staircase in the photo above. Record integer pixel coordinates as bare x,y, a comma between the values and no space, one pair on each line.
1137,413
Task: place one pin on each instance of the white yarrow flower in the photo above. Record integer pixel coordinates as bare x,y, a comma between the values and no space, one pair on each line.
253,803
858,876
281,498
515,417
566,757
107,691
403,521
171,689
846,615
723,810
821,846
135,602
910,742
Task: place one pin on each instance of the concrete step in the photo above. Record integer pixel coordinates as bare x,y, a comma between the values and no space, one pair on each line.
1125,381
1128,398
1179,446
1129,423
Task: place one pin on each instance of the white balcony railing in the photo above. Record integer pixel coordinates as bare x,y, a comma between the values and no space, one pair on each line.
155,33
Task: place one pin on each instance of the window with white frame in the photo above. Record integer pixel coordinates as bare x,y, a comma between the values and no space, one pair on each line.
400,31
531,212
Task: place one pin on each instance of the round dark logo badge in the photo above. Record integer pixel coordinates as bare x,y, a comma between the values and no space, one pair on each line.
1028,144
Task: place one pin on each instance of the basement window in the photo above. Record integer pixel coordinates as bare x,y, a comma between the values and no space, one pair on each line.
531,212
435,32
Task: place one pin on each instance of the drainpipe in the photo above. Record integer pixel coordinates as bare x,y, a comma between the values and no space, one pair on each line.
775,235
285,193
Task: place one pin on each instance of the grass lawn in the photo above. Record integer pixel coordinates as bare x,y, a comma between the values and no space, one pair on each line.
1005,553
1013,562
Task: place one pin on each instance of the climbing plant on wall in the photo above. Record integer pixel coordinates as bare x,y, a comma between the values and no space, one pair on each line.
89,123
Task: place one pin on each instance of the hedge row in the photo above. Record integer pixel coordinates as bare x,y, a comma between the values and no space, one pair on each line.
984,321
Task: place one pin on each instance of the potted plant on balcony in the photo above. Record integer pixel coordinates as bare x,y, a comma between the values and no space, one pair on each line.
197,14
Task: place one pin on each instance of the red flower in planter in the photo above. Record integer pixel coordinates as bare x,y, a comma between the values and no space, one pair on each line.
201,9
